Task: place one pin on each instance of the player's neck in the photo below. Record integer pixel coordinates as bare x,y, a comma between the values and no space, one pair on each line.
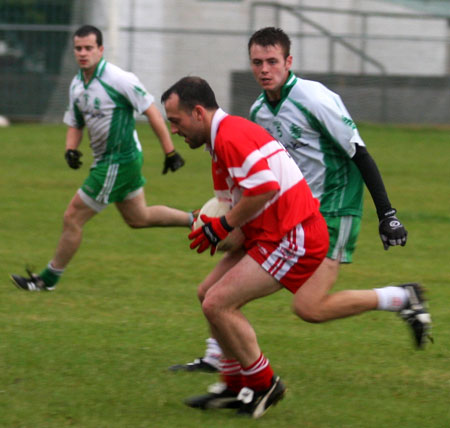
209,115
274,102
274,95
87,75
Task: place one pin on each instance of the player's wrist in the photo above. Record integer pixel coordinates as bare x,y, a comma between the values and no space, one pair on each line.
387,213
225,224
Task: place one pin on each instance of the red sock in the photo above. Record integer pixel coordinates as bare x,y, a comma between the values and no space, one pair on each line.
230,371
258,376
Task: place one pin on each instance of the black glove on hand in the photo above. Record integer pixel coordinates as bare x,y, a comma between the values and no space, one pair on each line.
392,232
173,161
73,158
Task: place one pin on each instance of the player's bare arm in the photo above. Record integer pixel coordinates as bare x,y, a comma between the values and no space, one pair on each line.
159,127
73,138
248,207
173,160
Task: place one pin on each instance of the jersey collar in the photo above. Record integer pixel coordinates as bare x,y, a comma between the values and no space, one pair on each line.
97,72
285,89
219,115
100,68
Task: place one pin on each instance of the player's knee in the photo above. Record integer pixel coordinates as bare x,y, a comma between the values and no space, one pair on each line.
308,313
203,289
134,222
70,219
201,294
210,308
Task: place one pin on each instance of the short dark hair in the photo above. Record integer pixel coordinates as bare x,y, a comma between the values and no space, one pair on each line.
271,36
192,91
85,30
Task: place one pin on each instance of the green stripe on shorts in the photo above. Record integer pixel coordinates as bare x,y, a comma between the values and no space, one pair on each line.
109,183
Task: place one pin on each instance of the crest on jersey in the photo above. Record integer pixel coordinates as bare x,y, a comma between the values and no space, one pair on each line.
277,125
295,130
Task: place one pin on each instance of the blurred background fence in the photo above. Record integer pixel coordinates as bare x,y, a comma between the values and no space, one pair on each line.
389,60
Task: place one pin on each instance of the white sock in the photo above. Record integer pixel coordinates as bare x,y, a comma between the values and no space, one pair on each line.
391,299
213,353
191,218
57,272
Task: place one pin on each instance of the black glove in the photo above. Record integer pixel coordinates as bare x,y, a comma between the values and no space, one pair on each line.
392,232
73,158
173,161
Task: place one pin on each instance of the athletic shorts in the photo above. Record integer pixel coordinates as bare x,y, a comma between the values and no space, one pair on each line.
343,233
294,259
109,183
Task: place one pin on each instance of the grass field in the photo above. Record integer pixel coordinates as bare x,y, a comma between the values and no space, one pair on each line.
95,352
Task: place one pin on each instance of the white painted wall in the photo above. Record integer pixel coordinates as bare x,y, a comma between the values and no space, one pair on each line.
160,57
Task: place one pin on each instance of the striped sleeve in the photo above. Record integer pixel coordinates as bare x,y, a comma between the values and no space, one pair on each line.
249,169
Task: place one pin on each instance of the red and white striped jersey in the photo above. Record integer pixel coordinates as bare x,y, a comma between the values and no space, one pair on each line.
248,161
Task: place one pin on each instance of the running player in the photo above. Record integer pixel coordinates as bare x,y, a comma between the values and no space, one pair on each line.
104,99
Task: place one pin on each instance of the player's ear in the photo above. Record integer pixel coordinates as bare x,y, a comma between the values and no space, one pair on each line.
289,62
198,112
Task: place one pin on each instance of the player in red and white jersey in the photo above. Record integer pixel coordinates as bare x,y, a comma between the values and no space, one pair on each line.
286,238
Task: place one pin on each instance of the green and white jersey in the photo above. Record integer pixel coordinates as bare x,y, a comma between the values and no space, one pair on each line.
315,127
106,106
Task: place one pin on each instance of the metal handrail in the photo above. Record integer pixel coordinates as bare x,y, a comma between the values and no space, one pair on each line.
362,12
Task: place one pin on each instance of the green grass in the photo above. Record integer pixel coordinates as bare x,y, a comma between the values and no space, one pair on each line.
95,352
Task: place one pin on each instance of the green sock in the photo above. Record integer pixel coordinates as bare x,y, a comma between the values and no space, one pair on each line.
51,276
